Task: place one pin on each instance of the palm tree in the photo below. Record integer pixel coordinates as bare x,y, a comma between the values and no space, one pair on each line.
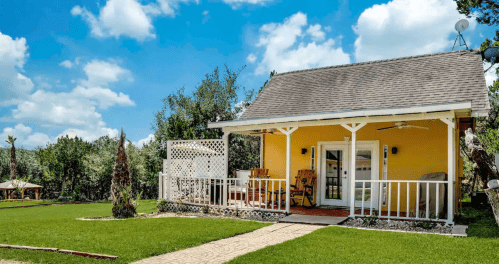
13,163
123,206
13,160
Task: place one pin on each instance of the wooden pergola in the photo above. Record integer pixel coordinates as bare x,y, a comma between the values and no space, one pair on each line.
9,187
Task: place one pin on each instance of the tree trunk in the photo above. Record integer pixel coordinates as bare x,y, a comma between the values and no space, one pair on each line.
485,168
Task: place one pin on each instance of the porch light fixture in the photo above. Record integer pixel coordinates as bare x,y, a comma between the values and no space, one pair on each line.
303,151
395,150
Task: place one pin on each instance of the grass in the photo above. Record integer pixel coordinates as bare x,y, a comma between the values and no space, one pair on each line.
480,221
130,240
25,202
343,245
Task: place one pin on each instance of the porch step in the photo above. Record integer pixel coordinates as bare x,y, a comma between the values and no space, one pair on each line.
313,219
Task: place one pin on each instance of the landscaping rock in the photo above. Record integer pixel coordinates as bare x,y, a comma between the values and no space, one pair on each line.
409,226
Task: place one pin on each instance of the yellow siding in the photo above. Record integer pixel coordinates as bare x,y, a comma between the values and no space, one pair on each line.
419,151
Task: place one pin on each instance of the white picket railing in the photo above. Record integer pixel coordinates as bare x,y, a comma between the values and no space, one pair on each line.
268,194
392,207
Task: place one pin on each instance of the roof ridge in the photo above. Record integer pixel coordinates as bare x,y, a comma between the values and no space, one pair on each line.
376,61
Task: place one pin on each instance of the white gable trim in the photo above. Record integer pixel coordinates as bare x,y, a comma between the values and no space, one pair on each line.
349,114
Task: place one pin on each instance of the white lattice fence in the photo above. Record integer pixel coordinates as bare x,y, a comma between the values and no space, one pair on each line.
193,159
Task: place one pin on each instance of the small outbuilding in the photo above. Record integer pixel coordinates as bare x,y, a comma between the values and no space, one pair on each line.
10,186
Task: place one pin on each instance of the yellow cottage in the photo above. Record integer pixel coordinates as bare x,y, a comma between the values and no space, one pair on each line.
402,117
382,137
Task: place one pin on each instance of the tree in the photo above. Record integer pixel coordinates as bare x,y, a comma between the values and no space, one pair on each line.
13,160
486,11
215,99
123,206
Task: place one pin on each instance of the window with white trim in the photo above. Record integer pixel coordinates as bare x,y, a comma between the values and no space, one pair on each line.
312,158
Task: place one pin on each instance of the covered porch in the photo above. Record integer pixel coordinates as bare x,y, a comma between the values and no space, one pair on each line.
350,160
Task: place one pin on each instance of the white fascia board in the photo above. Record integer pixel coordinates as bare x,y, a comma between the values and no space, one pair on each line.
349,114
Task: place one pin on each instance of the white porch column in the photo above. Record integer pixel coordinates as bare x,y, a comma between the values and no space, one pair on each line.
226,174
261,150
288,161
451,168
353,162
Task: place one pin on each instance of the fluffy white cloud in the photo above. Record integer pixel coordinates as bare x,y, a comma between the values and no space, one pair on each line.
101,73
288,48
238,3
69,64
117,18
74,112
251,58
127,17
13,84
316,32
104,96
490,75
25,137
406,28
143,141
66,64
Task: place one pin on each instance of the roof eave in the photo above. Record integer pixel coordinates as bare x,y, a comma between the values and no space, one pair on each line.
349,114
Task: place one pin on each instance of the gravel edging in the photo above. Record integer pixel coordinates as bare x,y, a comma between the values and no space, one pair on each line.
64,251
398,226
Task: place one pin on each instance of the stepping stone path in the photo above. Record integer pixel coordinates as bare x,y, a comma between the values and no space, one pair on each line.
224,250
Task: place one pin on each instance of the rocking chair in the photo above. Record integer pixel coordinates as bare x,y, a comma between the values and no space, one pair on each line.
256,189
303,187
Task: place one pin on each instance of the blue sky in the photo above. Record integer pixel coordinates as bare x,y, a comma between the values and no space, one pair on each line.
88,68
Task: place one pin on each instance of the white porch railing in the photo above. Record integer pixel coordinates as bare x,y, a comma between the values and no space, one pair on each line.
401,199
267,194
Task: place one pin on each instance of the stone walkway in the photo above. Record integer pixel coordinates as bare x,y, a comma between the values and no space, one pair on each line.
224,250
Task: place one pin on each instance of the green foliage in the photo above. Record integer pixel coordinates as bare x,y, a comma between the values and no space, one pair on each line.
215,99
485,11
125,206
371,220
162,205
480,221
121,191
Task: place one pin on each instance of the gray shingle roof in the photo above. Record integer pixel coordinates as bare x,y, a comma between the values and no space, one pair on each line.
441,78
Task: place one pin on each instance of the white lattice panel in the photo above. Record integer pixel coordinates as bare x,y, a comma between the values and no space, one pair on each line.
196,159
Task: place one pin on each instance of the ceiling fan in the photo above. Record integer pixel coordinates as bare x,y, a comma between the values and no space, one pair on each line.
401,125
256,132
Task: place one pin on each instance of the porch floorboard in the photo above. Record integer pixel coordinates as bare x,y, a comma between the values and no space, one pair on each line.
313,219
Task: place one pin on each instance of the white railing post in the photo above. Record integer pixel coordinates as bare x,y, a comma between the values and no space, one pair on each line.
450,168
225,186
168,170
160,186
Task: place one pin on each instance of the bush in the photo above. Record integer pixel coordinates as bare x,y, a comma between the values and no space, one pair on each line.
162,206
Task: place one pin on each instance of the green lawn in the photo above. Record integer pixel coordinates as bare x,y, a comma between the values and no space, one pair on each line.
344,245
25,202
130,240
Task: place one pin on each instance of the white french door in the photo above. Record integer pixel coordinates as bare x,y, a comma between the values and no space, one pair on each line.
334,172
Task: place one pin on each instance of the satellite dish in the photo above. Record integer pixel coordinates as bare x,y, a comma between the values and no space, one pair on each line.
492,55
461,25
